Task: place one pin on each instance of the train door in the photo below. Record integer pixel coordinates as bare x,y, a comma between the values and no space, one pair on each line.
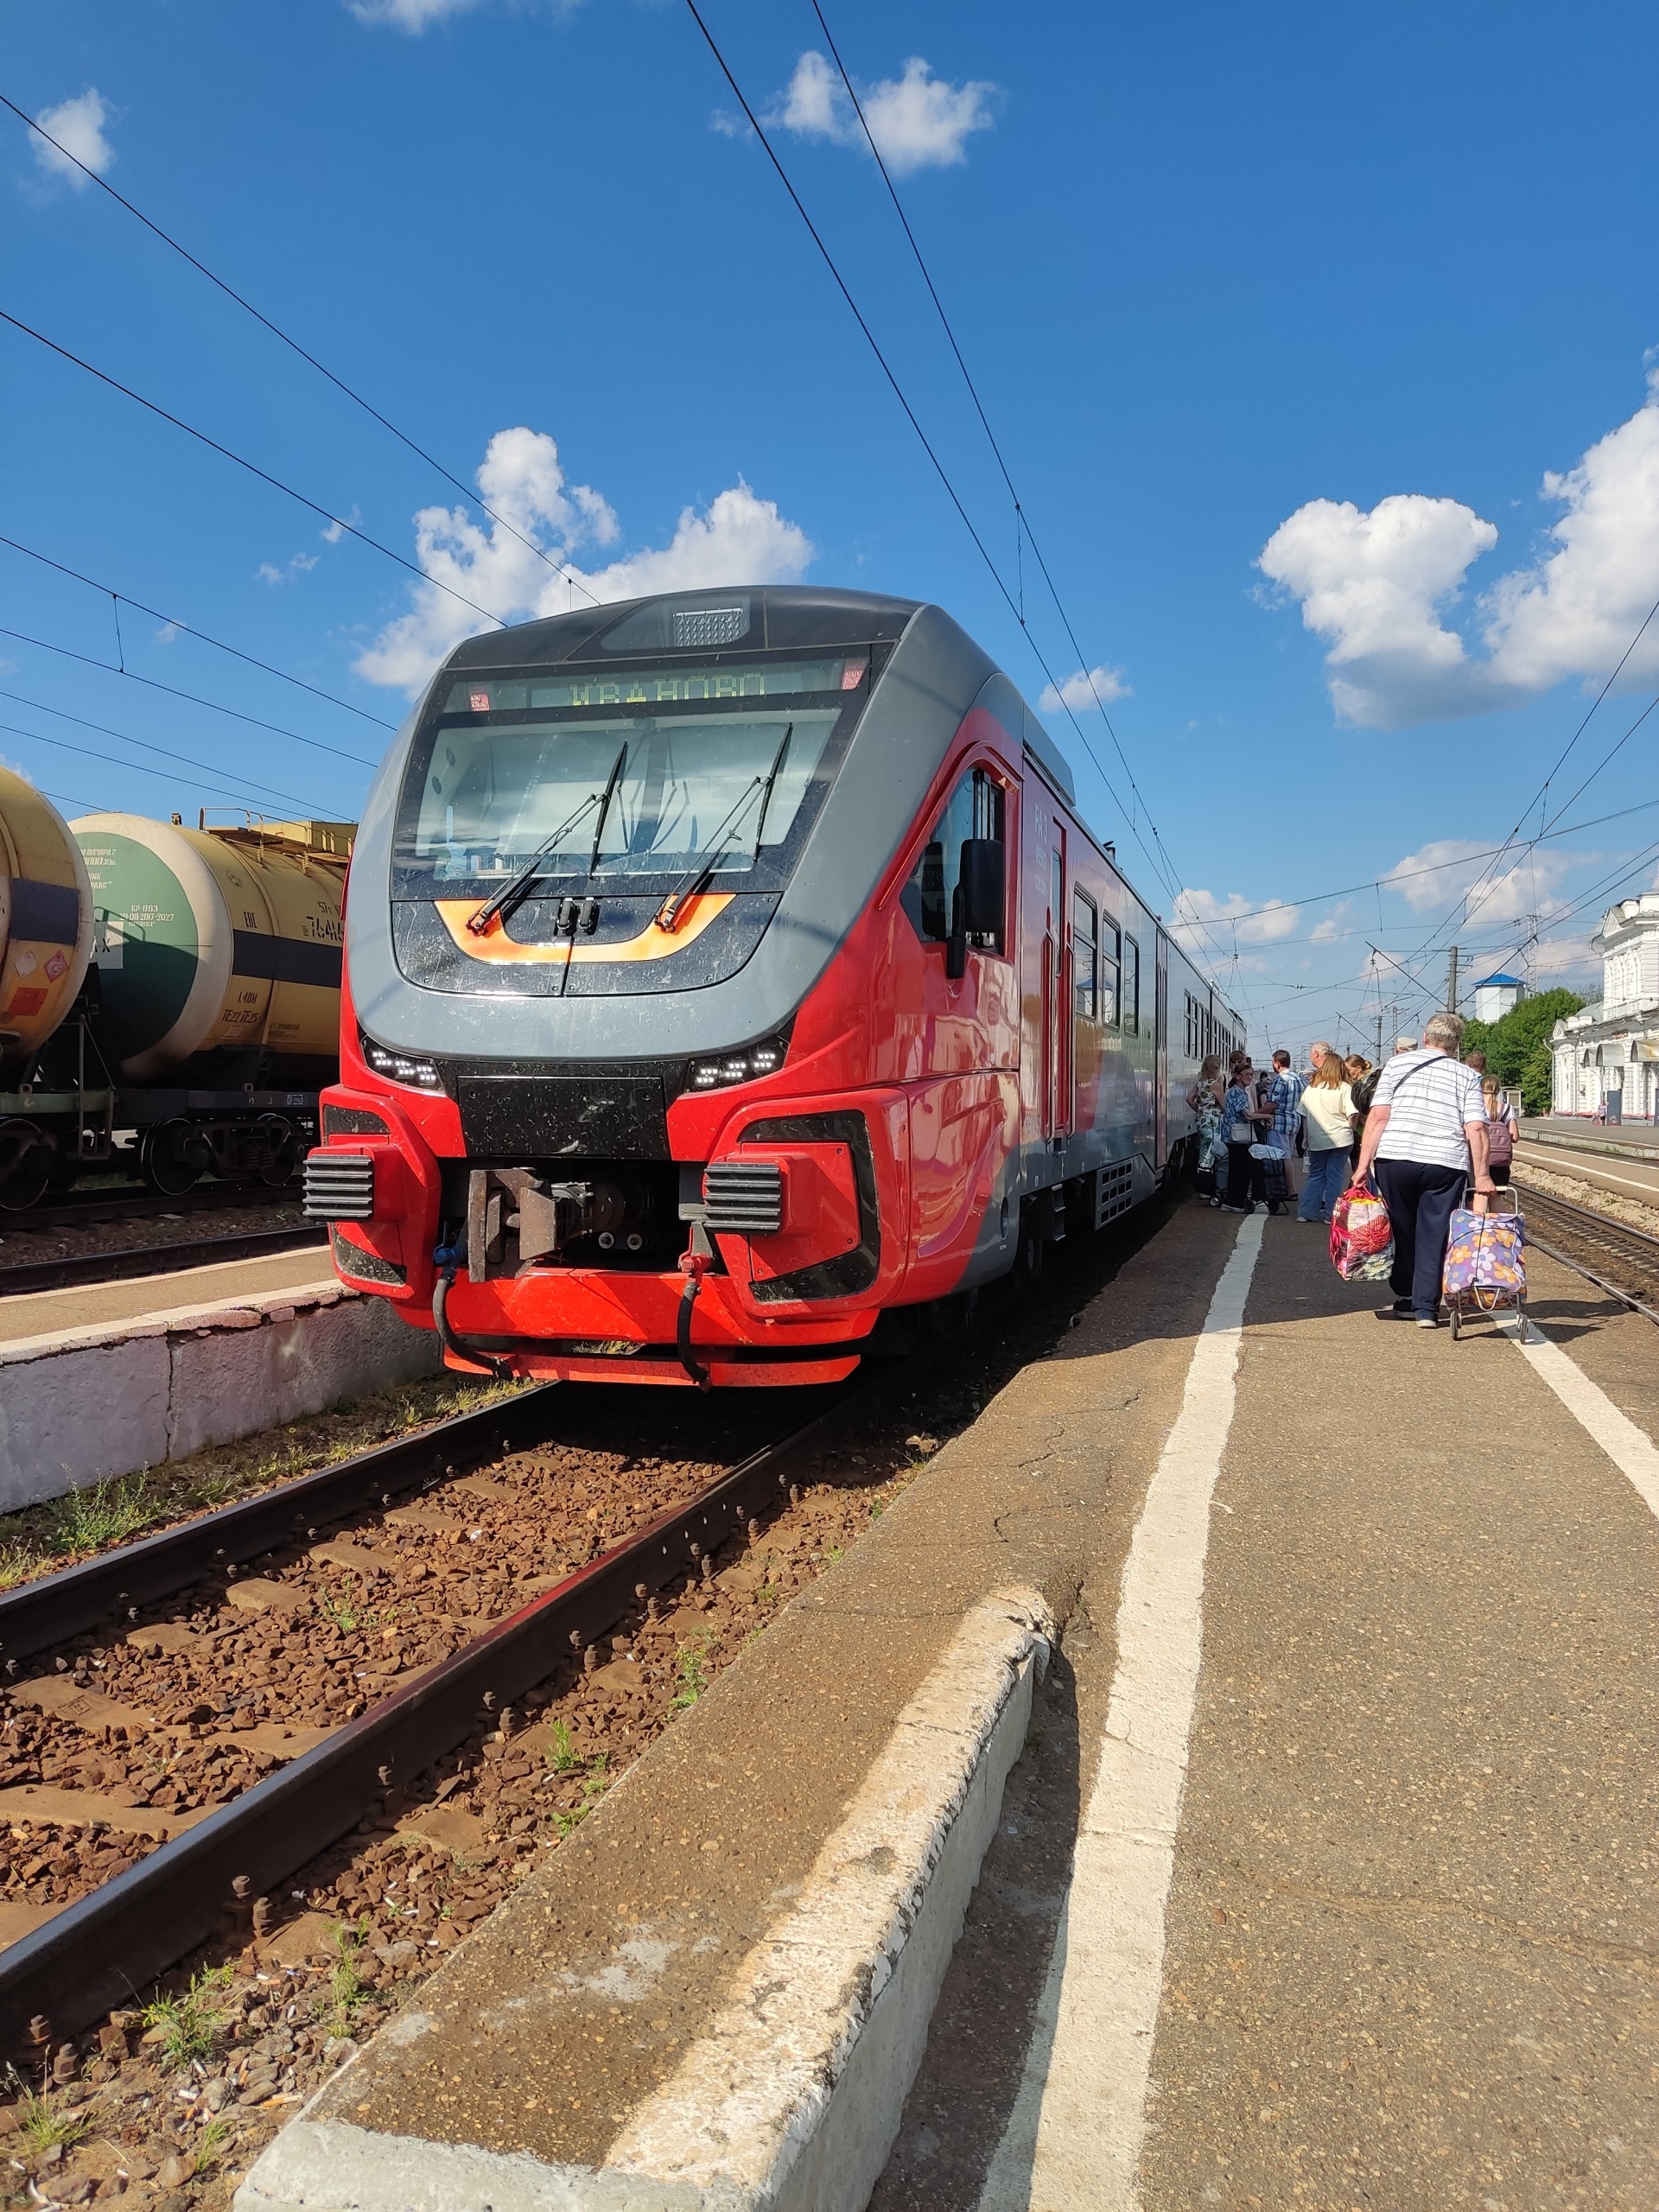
1160,1054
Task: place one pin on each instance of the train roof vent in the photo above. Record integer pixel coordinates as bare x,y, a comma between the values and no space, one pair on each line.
690,625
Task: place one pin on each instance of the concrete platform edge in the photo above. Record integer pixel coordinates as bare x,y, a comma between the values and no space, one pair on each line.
91,1405
792,2099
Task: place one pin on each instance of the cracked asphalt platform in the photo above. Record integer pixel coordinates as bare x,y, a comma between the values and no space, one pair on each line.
1413,1935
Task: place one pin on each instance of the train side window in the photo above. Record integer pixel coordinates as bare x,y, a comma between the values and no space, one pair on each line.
975,808
1131,987
1085,957
1111,960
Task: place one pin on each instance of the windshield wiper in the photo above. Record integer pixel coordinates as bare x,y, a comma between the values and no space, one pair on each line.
514,894
703,863
605,806
778,758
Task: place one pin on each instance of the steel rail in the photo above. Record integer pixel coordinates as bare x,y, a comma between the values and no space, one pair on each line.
1607,1230
78,1268
1622,1231
99,1952
77,1206
58,1607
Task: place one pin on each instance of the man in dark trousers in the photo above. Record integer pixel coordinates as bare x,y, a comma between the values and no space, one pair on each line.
1425,1136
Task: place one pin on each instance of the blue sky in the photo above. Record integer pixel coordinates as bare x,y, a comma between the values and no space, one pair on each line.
1366,295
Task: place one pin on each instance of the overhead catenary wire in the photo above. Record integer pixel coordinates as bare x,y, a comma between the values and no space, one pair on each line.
335,521
914,421
294,345
216,706
134,767
1023,519
1462,911
189,630
165,753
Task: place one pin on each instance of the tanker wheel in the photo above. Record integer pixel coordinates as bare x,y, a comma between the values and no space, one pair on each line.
276,1146
172,1157
27,1160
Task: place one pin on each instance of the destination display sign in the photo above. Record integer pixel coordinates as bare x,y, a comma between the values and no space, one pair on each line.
652,687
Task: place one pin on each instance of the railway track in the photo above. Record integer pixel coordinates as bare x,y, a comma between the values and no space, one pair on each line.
86,1268
261,1713
1622,1260
127,1202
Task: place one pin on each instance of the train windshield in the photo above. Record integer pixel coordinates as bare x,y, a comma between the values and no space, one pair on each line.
625,776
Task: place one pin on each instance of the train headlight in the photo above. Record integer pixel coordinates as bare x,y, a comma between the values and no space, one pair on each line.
746,1066
400,1067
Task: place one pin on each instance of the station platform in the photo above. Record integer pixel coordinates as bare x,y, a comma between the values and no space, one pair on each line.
1622,1169
55,1314
1315,1868
1614,1137
100,1381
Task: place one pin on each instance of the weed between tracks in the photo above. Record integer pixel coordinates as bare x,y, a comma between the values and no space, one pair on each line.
43,1538
168,2106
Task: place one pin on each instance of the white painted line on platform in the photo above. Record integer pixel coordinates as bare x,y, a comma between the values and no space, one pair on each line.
1072,2142
1631,1451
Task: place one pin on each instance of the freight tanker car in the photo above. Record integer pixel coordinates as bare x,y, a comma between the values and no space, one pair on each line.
731,984
169,998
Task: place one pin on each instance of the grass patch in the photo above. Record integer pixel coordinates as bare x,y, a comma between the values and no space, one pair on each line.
41,2125
190,2025
694,1676
348,1991
44,1537
215,2137
560,1754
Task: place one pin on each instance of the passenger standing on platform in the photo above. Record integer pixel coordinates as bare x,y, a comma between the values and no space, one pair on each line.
1206,1099
1328,1117
1500,1127
1362,1082
1426,1135
1285,1096
1243,1116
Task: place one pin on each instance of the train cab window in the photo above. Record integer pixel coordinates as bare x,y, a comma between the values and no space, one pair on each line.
975,808
1111,959
1085,957
1131,987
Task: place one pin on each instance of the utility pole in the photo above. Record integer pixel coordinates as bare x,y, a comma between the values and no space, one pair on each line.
1452,981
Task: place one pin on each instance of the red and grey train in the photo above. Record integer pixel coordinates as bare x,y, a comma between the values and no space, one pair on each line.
729,976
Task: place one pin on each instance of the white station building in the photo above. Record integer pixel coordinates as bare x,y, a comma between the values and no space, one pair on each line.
1607,1057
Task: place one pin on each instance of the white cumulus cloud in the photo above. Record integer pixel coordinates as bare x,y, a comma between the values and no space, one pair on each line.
1089,687
77,127
1439,872
1235,919
1377,586
917,120
739,538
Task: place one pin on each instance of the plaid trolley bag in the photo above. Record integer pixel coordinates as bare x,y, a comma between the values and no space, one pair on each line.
1485,1263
